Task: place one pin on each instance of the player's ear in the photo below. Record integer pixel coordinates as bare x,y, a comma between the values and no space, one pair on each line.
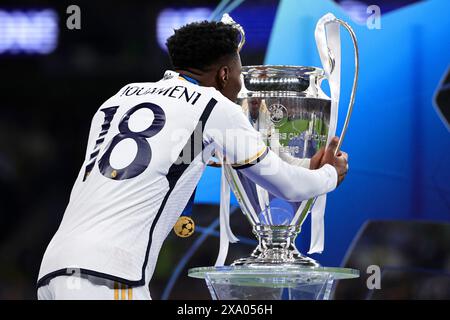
223,75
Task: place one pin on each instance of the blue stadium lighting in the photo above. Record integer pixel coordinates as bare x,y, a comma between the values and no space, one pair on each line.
170,19
28,31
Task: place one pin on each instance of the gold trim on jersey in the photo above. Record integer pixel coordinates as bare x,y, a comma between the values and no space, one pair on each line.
116,291
250,160
122,292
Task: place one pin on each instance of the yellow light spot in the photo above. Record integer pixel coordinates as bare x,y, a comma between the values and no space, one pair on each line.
113,174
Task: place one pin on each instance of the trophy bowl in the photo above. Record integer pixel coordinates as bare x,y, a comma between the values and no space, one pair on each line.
287,106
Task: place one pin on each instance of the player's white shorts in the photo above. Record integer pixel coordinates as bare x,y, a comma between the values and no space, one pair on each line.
86,287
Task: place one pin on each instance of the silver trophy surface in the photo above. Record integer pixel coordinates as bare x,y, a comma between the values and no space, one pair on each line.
287,106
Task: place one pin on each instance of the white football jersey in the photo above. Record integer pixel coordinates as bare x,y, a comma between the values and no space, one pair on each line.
148,146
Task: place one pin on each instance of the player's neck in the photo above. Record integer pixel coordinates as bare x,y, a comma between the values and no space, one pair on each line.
204,79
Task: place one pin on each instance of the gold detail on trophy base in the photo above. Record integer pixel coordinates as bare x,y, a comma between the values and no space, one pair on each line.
184,227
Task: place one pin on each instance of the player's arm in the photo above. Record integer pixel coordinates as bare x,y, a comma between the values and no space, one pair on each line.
290,182
243,147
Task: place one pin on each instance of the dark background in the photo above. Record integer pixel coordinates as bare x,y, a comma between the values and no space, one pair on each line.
399,145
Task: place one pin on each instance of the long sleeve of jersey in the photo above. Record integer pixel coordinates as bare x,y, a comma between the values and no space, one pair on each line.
243,147
290,182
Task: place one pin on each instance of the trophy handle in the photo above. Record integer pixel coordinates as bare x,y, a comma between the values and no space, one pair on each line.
355,79
226,18
304,213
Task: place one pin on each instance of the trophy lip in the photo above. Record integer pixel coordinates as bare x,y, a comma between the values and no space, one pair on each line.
268,70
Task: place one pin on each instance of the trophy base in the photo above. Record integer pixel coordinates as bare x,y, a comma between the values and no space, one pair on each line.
264,259
271,282
276,248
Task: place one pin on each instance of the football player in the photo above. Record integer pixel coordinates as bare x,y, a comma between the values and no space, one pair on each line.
147,148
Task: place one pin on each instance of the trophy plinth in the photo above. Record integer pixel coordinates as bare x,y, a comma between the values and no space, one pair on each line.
270,282
276,248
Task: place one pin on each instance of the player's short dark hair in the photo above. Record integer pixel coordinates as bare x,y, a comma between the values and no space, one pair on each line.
201,44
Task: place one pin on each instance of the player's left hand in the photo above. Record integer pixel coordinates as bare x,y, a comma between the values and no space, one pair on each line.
339,161
317,159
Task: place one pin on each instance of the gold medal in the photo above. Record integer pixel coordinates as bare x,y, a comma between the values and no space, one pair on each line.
184,227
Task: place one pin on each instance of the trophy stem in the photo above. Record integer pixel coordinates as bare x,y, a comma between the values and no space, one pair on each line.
276,248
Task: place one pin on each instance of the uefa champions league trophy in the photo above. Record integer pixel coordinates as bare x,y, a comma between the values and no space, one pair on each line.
295,118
